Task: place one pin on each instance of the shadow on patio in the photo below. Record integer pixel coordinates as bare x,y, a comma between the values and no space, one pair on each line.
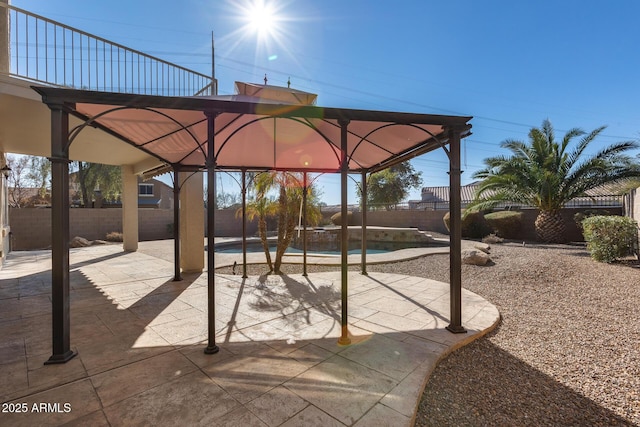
140,339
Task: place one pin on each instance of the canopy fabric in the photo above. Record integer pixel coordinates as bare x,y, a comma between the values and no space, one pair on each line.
260,128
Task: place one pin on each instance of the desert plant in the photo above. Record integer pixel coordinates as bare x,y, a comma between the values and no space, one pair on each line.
610,237
546,174
505,224
581,216
473,224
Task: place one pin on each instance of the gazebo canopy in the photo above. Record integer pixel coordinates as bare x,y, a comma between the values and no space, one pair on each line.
262,127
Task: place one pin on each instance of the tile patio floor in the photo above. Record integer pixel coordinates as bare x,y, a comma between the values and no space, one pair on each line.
140,339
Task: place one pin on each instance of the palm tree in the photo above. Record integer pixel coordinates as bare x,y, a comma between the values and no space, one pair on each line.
546,174
286,208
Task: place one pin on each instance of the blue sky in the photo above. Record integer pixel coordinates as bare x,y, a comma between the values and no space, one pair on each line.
509,64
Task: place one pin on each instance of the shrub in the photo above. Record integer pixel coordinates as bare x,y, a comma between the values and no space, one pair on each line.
609,237
114,236
473,224
506,224
581,216
336,218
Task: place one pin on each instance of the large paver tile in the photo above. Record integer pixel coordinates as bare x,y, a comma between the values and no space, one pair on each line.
79,397
276,406
118,384
382,415
192,399
247,377
342,388
393,358
312,417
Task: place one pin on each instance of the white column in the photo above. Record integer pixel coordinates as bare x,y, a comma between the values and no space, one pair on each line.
129,209
191,222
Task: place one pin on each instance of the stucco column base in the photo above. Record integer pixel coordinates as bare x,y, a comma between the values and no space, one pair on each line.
129,209
191,222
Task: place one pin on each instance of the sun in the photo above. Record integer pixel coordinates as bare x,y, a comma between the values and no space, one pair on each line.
261,18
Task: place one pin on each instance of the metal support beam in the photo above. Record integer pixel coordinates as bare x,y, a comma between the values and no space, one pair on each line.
176,227
244,224
344,235
305,188
363,248
455,237
60,315
211,348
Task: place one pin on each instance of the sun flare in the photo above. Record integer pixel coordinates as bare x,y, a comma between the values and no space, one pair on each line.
261,17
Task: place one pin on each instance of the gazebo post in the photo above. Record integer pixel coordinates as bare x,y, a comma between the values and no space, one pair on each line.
176,226
344,236
244,223
304,224
60,304
211,348
455,237
363,248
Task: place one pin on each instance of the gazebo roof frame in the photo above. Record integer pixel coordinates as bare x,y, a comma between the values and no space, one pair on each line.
183,132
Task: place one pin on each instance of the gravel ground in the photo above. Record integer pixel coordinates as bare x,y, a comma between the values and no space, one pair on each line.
566,353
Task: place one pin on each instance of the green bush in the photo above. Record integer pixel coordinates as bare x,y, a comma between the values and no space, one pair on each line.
473,224
506,224
581,216
609,237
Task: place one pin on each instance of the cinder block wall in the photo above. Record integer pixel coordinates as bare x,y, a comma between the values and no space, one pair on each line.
228,225
31,228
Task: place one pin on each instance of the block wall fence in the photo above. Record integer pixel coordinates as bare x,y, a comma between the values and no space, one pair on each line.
31,228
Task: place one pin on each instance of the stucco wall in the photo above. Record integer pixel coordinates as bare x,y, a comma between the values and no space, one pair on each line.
635,194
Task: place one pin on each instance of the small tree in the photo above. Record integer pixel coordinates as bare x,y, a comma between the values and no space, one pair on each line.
286,207
392,185
17,180
40,174
97,176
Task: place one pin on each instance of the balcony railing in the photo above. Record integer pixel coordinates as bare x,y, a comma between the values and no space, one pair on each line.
46,51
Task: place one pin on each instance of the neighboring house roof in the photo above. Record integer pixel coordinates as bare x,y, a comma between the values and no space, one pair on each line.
438,197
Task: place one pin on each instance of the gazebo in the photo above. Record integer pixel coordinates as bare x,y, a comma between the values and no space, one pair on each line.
262,128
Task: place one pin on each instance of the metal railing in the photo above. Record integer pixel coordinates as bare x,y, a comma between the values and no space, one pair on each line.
46,51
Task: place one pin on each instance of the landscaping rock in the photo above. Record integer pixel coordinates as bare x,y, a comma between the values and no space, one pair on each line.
474,257
79,242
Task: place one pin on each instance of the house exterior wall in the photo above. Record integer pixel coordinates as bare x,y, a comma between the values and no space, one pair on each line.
635,203
160,191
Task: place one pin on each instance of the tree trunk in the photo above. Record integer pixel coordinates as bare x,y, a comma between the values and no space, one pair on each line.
83,185
282,221
550,227
262,230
